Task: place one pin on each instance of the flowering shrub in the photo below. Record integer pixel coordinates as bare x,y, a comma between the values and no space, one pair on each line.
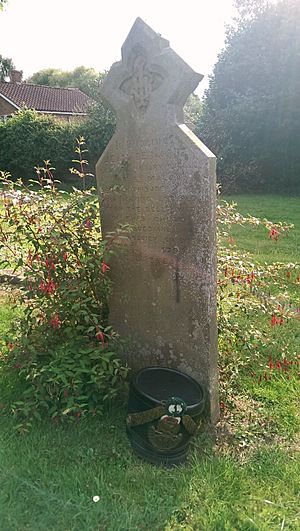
65,348
257,295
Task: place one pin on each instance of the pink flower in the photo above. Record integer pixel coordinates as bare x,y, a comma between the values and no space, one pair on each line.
105,267
55,322
47,287
88,224
273,234
29,258
100,336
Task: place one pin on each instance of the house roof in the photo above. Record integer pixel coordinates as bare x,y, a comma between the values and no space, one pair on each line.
45,99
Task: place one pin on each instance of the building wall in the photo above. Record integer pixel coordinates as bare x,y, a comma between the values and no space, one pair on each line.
6,108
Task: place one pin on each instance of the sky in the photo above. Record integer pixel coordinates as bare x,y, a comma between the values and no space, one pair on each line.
38,34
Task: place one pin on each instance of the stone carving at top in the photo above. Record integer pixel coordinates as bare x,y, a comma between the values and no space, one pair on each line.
141,83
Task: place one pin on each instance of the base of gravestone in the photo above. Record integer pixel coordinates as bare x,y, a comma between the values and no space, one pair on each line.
165,408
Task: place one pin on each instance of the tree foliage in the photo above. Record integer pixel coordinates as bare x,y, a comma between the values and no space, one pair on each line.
99,125
193,111
6,65
251,116
28,138
88,80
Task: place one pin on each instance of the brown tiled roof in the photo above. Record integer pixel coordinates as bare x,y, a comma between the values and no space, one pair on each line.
43,98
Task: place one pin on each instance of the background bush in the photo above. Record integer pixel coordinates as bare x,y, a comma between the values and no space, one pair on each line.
27,138
251,111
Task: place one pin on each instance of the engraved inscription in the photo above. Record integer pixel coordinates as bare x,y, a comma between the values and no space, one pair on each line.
141,83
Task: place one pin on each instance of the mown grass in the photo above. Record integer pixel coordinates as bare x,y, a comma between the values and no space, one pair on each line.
256,241
49,477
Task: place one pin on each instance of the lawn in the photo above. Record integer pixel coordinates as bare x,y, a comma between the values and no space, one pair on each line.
247,480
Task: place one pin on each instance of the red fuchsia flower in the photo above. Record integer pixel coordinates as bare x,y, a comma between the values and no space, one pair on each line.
273,234
100,336
55,322
248,280
65,257
288,274
281,321
271,364
274,320
42,286
29,258
50,287
47,287
226,272
10,346
88,224
278,365
222,405
105,267
252,275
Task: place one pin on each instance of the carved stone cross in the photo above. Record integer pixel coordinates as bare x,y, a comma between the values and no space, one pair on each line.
164,297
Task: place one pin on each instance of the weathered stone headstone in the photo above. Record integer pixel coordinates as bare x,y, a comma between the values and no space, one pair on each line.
164,297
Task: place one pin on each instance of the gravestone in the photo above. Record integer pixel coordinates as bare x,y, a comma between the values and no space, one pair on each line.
164,283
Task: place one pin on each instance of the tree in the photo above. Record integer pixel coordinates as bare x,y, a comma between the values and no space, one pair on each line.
99,125
251,115
86,79
193,111
6,65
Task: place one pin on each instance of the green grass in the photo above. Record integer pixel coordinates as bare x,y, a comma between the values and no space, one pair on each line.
256,240
49,477
48,480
